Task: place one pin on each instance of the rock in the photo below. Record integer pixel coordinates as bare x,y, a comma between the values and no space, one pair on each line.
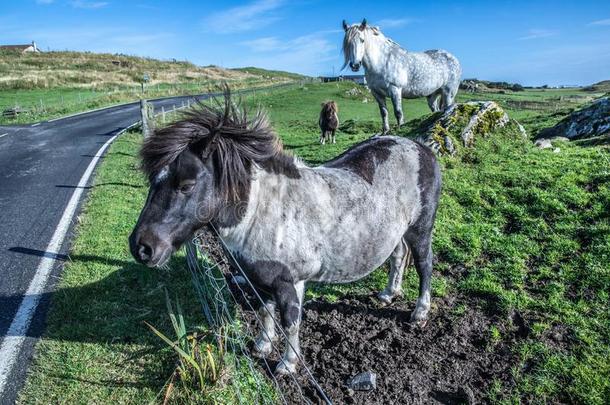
462,123
589,122
363,382
543,143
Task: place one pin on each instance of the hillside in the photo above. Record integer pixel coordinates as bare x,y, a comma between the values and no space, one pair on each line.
102,71
270,73
51,84
603,86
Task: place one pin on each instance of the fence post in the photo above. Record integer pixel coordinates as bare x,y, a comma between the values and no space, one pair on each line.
163,114
148,118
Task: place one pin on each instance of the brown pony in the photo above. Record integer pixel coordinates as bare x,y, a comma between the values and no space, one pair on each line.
329,121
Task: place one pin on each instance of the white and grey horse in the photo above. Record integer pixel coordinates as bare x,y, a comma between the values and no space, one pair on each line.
284,222
393,72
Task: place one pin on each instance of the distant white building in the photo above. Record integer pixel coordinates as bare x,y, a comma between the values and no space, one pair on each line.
21,48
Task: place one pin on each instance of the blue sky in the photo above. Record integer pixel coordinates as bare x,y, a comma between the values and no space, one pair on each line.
531,42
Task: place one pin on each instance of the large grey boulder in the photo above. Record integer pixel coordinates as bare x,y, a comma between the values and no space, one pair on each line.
461,124
591,121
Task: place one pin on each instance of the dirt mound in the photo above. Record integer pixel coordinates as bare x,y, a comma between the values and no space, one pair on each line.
454,359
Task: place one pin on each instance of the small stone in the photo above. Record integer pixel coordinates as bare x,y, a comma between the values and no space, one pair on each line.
543,143
556,150
363,382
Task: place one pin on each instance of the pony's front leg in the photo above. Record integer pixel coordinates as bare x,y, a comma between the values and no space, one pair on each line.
396,96
323,138
290,300
383,109
263,345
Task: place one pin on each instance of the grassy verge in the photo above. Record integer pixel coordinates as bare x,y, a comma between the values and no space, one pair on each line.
45,104
519,230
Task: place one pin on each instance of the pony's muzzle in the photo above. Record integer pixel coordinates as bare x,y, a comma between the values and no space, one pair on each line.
148,249
354,66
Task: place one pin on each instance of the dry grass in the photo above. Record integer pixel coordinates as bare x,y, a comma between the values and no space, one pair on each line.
107,71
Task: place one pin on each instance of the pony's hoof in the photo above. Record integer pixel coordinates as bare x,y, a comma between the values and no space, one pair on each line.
386,298
262,348
284,368
420,324
419,318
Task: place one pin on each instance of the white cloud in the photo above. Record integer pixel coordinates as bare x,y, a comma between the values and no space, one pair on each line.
535,33
265,44
88,4
308,54
600,22
244,18
394,22
112,39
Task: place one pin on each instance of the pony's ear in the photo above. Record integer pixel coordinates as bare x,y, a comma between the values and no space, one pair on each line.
345,26
363,24
322,105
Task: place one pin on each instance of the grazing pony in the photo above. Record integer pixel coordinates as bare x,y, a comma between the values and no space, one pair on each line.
393,72
287,223
329,121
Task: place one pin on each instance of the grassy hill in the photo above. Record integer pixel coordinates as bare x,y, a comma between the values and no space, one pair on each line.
603,86
269,73
51,84
88,70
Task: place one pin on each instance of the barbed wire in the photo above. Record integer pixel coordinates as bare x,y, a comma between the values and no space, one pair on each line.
220,306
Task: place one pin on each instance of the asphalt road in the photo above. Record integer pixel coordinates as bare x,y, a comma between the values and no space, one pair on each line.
40,168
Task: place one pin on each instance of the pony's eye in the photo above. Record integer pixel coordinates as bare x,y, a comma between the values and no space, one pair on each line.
362,40
186,188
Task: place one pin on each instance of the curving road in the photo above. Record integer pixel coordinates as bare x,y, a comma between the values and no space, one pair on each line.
41,166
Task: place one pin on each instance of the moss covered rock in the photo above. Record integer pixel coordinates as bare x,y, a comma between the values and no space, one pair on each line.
459,126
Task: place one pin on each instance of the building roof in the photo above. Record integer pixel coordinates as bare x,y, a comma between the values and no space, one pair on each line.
15,47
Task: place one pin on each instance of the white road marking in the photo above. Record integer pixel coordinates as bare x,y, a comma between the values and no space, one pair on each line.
3,135
35,125
16,334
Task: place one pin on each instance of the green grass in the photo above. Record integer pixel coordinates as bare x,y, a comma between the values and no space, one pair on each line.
519,230
51,84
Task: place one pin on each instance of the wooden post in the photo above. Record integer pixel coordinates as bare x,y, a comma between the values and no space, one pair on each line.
148,121
163,114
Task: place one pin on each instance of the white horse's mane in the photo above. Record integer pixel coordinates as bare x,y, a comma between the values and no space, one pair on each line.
352,33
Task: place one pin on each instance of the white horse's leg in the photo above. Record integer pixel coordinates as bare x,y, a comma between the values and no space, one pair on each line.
290,310
323,138
263,342
396,96
448,96
383,109
434,101
398,261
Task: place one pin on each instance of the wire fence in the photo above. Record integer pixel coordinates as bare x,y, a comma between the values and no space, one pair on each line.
229,304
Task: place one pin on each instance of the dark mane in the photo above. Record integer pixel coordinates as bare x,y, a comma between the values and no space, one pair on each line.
224,133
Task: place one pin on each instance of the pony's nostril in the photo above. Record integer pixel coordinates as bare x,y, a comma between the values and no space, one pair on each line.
145,252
